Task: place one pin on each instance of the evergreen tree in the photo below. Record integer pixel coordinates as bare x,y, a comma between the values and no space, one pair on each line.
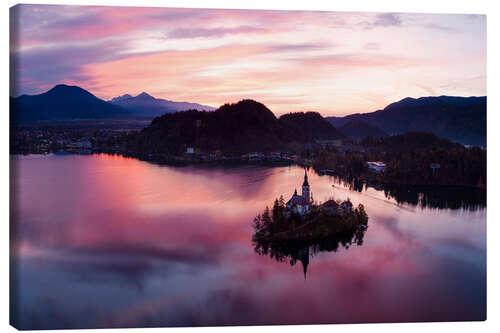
257,223
266,220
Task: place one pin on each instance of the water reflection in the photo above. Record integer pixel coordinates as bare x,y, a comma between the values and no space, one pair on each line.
105,241
440,197
292,251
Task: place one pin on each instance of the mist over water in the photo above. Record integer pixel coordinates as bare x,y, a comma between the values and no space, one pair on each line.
107,241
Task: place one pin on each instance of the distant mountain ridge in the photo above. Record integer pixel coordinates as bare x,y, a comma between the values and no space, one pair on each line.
62,102
460,119
149,106
120,98
65,102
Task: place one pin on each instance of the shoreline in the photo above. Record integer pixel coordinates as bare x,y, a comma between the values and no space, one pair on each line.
184,161
432,196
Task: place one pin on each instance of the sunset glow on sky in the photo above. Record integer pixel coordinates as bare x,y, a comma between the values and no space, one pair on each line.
331,62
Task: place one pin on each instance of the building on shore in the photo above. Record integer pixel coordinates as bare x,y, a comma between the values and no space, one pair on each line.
332,207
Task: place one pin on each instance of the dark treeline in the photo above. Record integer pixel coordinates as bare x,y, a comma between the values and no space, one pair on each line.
408,158
407,141
458,166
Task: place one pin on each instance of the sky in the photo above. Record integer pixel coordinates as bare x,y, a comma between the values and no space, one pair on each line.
335,63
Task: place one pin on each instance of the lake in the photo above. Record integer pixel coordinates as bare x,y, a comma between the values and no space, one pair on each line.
108,241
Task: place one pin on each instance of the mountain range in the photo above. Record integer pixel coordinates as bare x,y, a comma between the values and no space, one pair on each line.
460,119
147,106
64,102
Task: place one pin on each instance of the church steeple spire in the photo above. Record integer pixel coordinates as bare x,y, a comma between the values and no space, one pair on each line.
305,188
304,259
306,183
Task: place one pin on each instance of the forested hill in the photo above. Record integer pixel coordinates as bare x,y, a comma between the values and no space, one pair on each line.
460,119
310,125
358,129
233,128
409,141
408,158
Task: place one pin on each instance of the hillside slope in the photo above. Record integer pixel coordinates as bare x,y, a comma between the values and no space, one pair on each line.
358,129
461,119
310,125
233,128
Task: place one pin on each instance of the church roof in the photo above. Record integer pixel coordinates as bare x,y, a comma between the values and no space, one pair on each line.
297,200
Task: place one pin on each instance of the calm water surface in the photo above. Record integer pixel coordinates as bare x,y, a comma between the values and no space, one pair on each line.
107,241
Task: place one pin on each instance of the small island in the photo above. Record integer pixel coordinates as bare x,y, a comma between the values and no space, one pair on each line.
292,231
300,218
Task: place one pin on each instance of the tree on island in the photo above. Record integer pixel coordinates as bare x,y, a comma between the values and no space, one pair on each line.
322,220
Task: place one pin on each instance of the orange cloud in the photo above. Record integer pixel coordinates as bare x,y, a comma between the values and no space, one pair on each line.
331,62
167,71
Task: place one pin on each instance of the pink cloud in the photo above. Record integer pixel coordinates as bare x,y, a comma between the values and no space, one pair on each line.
165,70
212,32
295,60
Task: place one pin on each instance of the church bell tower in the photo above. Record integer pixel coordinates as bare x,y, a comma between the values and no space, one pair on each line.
305,188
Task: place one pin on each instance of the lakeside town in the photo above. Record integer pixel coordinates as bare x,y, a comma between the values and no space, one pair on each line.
113,141
397,159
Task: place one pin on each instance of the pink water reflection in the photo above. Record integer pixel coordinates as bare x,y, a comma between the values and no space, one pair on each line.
107,241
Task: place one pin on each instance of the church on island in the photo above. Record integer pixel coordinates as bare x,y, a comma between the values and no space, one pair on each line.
300,204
